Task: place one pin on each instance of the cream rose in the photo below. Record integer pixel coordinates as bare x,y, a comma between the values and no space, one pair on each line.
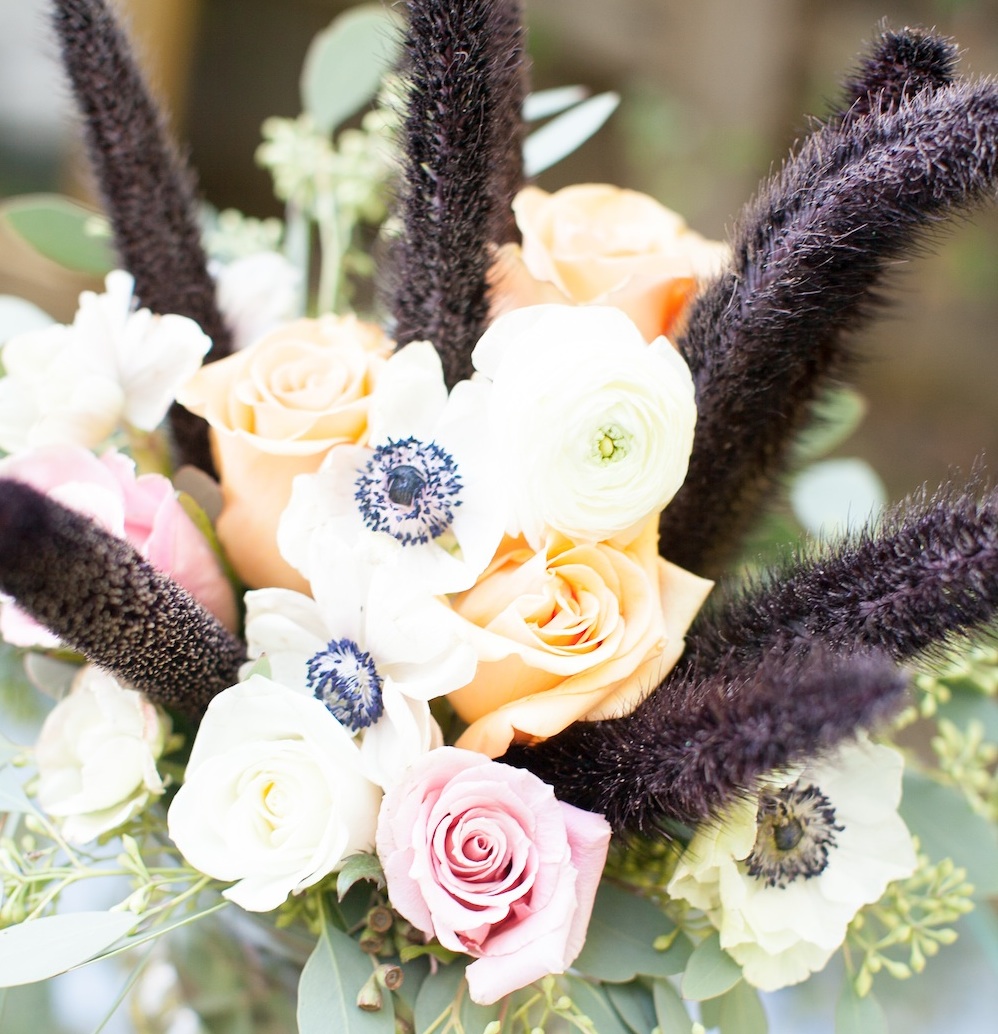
591,427
97,754
274,796
597,244
575,632
275,409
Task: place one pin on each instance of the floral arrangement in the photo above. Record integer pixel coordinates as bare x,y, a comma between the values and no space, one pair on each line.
394,644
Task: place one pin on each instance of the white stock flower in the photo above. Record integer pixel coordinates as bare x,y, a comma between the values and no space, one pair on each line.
77,383
421,497
274,796
782,877
375,649
592,426
96,756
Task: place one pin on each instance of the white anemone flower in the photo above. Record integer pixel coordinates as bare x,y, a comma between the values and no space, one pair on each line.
421,497
373,649
782,876
77,383
593,427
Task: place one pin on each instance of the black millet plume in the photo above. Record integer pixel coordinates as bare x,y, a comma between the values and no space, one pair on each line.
148,192
698,744
458,170
101,598
925,577
899,66
809,255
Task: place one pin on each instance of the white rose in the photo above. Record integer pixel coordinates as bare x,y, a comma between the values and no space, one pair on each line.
274,795
97,754
592,427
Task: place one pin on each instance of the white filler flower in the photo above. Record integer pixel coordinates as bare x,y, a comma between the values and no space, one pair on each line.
274,795
592,427
783,876
77,383
97,754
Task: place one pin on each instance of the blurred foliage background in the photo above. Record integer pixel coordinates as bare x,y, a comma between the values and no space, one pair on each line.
714,95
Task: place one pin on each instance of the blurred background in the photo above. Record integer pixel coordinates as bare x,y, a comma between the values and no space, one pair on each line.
714,93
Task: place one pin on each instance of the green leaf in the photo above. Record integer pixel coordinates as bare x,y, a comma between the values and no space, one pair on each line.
634,1005
963,708
855,1015
710,972
327,993
61,230
346,62
43,948
18,317
439,995
566,133
620,942
835,416
947,827
742,1012
837,495
475,1017
670,1012
592,1000
356,868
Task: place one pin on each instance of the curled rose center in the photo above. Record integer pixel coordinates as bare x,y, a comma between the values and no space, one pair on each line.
410,490
345,679
795,834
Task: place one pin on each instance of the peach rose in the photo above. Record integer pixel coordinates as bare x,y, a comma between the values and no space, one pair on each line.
275,410
573,632
598,244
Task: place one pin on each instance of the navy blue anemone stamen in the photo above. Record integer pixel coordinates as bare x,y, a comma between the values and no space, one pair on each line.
345,679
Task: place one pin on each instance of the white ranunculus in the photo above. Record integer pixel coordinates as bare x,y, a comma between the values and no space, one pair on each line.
274,798
592,427
782,908
256,294
96,756
77,383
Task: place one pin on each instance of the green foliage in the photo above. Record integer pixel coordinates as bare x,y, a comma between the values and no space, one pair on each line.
711,971
61,230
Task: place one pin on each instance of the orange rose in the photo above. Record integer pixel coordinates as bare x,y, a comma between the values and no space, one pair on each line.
598,244
275,410
575,632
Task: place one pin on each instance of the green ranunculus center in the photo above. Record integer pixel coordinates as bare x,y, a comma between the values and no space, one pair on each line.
610,444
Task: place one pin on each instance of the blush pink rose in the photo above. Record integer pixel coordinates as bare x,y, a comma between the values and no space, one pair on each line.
144,510
483,857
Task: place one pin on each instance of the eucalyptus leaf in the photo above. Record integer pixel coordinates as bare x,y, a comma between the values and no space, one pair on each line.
620,942
50,675
438,995
346,62
545,103
837,495
356,868
982,924
834,418
475,1017
855,1015
710,972
327,993
670,1012
591,999
61,230
742,1011
634,1005
43,948
18,316
948,827
566,133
